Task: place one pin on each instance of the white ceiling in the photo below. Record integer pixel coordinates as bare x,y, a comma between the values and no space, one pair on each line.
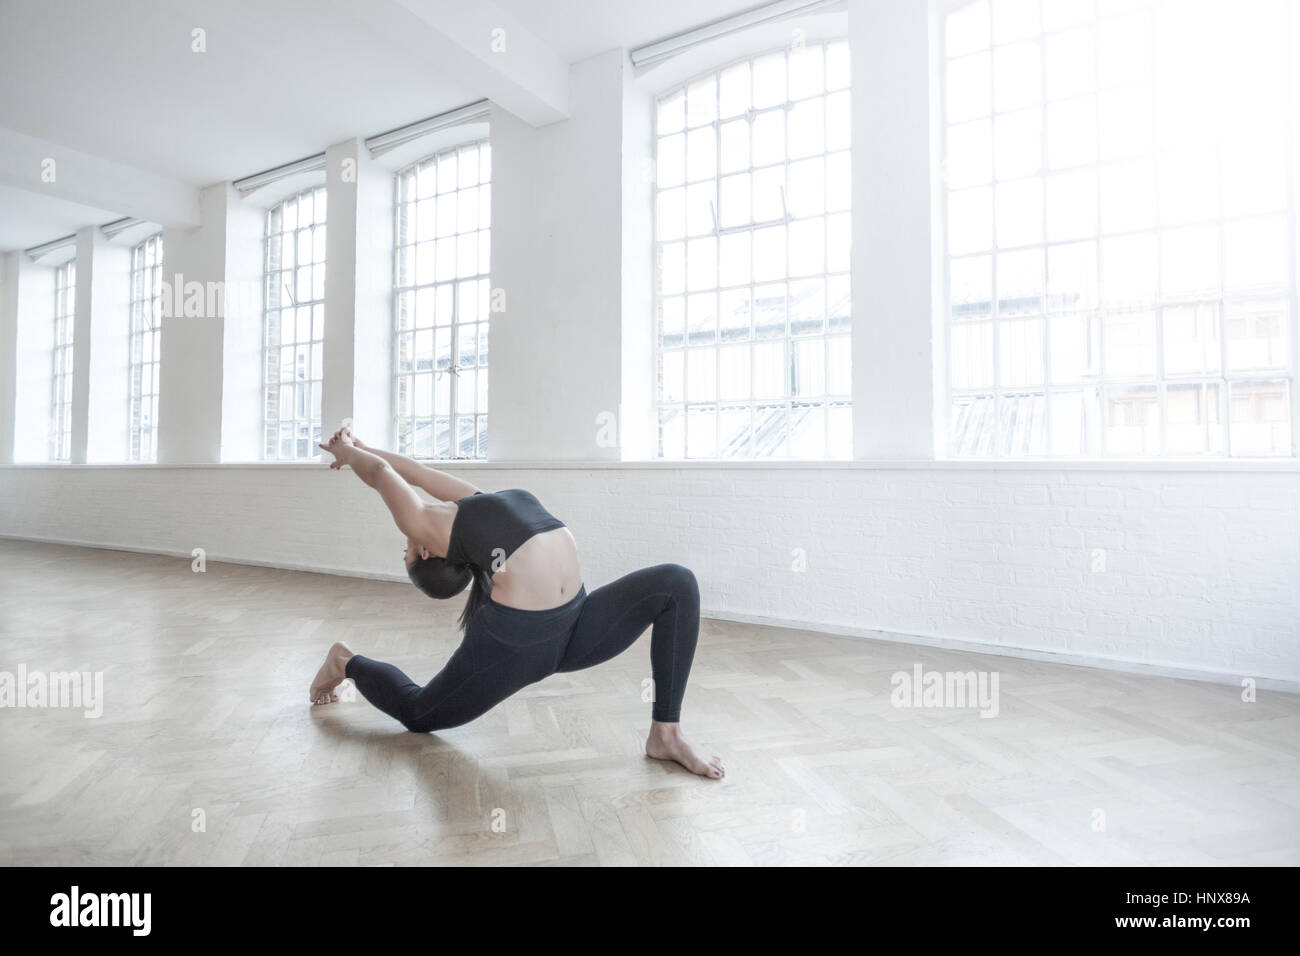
577,29
280,79
29,219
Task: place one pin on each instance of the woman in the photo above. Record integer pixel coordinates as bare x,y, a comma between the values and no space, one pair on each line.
528,615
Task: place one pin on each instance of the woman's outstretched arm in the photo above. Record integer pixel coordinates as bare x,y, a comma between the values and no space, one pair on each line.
437,483
408,510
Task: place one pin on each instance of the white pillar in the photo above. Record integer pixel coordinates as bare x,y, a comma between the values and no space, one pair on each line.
29,332
638,430
1293,13
8,353
894,325
107,269
189,385
81,342
555,381
358,375
242,358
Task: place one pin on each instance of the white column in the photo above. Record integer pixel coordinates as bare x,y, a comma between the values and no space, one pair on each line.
894,326
358,348
637,428
242,411
108,271
189,385
1293,12
555,381
8,353
81,342
29,326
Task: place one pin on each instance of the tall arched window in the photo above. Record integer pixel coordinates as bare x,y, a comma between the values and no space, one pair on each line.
143,363
1120,209
294,325
752,259
65,307
443,298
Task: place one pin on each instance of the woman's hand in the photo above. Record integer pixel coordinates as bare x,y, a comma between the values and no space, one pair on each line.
340,446
346,431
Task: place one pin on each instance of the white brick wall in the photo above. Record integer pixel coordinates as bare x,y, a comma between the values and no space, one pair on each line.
1202,567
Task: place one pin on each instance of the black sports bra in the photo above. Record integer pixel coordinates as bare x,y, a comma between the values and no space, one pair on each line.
488,528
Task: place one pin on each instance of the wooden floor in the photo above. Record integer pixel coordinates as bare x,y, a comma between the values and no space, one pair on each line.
206,720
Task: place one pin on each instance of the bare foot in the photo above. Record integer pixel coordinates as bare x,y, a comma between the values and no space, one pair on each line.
331,674
667,743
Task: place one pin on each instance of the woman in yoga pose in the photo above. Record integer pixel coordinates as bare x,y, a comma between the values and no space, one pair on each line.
528,615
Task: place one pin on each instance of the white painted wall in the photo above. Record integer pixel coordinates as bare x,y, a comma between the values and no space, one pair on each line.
8,350
242,438
557,256
108,413
83,306
637,432
894,340
189,377
29,292
1197,570
358,348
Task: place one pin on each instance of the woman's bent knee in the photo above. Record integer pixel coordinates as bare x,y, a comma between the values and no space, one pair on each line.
681,580
424,723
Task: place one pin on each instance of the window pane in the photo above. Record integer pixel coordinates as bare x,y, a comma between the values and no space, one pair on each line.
1191,339
1023,425
1130,350
968,88
972,426
970,152
1072,276
1193,419
1017,141
1020,282
701,432
972,355
971,287
967,29
1256,335
1020,352
1132,420
1074,424
1074,347
1259,418
1017,76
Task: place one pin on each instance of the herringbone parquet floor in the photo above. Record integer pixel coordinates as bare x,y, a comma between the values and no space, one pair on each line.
208,753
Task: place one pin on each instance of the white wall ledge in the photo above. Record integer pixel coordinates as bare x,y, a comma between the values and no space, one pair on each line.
1229,466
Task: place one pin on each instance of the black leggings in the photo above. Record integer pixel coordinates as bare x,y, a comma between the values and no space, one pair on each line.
506,649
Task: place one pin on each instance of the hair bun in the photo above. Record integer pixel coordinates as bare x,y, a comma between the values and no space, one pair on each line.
439,578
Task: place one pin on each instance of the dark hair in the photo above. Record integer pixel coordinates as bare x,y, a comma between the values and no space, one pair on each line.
441,579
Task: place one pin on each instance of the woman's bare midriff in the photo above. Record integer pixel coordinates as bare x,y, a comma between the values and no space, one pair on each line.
543,573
